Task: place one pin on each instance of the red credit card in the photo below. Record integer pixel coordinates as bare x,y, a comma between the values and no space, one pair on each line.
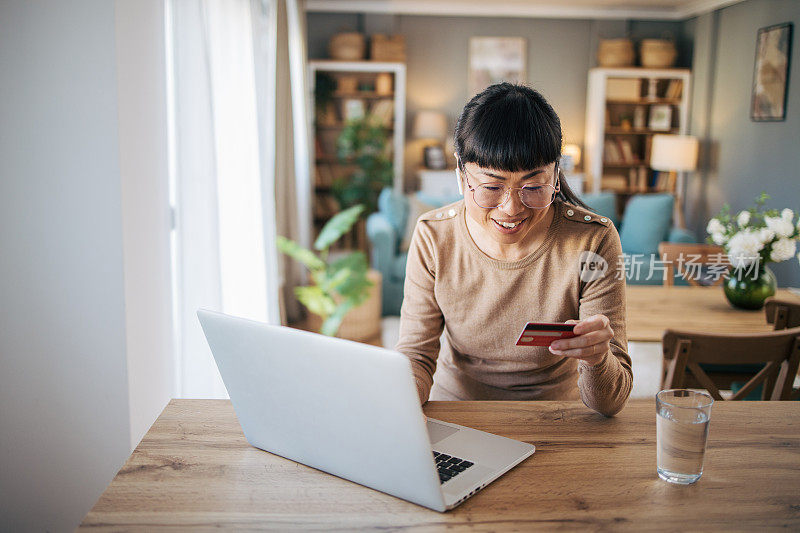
543,333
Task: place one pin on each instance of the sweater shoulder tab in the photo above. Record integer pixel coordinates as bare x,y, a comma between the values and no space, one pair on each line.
442,213
579,214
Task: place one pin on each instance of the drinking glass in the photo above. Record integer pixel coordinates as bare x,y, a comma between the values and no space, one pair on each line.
682,420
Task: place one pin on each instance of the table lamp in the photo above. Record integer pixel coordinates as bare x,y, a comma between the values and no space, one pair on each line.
432,126
673,154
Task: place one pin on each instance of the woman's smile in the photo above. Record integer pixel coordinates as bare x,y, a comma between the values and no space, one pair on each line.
509,226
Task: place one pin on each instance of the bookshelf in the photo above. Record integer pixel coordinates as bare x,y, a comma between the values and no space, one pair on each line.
625,107
354,88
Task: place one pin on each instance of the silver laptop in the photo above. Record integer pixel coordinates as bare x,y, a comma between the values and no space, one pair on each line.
351,410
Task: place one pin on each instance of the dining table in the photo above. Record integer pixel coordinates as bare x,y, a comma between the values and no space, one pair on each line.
652,309
194,470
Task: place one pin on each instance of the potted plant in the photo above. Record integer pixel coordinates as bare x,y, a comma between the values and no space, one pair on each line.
363,142
753,238
345,294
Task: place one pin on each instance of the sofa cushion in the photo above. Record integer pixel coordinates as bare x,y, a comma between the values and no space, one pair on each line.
399,267
602,203
646,222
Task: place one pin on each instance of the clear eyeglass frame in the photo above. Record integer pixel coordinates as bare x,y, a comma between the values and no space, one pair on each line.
507,190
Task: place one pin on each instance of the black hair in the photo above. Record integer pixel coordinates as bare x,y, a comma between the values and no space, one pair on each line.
511,127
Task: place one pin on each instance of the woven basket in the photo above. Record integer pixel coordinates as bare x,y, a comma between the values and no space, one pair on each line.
657,53
383,48
615,53
347,46
362,323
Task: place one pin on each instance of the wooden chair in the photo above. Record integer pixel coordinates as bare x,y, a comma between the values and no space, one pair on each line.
677,255
778,351
783,314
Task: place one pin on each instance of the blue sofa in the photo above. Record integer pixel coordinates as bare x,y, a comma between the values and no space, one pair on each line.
647,221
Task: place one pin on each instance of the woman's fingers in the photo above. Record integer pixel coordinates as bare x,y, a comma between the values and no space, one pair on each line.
592,323
582,341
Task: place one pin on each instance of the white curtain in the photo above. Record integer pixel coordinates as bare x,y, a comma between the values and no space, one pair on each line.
223,66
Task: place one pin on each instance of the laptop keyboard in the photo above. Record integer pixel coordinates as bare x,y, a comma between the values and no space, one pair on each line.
449,466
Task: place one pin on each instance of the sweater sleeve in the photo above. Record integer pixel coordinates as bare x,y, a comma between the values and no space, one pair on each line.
421,320
605,387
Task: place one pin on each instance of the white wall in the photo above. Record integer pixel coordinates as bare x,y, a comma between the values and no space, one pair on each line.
146,217
67,261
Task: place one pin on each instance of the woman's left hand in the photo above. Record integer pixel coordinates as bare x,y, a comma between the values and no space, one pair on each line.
591,340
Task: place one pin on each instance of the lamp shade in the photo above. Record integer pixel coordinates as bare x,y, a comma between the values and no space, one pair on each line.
430,125
674,152
574,151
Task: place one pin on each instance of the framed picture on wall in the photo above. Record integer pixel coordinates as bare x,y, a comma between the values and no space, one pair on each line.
771,73
495,59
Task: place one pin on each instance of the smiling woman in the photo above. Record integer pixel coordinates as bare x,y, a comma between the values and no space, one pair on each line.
511,252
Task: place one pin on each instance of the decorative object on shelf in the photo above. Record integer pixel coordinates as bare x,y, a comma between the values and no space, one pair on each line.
657,53
346,84
615,53
674,153
339,285
383,84
382,112
352,109
494,60
434,157
771,73
660,117
431,126
363,142
348,46
391,48
753,238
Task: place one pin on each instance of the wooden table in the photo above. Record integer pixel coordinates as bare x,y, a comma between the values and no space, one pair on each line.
194,470
652,309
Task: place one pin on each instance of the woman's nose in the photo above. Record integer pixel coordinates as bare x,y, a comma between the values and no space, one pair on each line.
513,204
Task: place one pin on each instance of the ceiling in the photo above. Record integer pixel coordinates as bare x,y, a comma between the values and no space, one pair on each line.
591,9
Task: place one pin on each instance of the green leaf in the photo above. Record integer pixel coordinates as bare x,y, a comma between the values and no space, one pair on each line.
356,261
298,253
333,280
338,226
332,323
315,300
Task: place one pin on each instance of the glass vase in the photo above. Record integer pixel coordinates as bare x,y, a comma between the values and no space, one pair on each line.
748,291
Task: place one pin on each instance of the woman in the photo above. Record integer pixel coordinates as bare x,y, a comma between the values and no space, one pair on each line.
520,247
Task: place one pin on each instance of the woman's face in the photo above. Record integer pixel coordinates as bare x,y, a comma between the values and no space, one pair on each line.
512,222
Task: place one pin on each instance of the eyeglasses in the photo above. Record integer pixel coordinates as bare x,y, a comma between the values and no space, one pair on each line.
493,195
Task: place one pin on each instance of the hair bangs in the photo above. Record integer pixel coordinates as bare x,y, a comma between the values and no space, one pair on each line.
508,130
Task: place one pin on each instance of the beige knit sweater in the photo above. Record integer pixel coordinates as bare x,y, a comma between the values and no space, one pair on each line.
483,304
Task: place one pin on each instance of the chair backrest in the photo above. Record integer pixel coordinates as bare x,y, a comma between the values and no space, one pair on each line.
782,313
602,203
395,207
694,262
777,351
646,222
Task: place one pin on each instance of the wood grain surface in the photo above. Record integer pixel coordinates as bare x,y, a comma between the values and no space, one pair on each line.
195,471
652,309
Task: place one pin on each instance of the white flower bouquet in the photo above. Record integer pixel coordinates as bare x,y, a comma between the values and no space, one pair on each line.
755,235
